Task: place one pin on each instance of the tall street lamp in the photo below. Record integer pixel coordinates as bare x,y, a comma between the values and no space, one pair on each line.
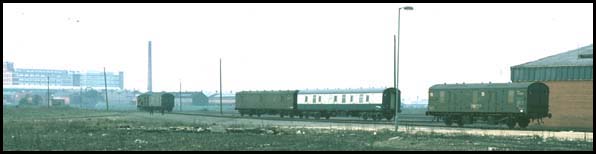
396,64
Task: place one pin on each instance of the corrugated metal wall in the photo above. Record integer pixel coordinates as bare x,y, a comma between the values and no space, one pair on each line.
564,73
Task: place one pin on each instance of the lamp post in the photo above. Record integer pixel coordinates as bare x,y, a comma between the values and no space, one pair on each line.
220,90
396,65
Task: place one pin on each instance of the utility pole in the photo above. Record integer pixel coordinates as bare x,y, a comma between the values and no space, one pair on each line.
149,77
220,91
49,92
180,95
106,87
81,98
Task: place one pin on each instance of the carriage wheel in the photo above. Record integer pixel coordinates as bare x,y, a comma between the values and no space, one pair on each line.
388,117
448,121
523,122
510,124
460,123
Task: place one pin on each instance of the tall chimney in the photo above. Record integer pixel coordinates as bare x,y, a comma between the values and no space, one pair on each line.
149,88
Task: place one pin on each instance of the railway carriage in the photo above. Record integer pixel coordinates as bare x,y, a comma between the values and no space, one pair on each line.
365,103
156,101
266,102
495,103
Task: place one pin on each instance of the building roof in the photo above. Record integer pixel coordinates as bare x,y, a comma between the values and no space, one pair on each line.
224,95
342,91
482,85
577,57
323,91
188,93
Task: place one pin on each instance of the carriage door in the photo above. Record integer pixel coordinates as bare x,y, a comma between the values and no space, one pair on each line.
450,104
454,101
390,101
492,101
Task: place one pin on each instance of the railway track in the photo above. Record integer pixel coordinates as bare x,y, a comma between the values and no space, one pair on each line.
405,120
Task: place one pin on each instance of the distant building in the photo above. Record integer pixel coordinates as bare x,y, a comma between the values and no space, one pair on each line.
18,82
191,98
38,78
7,73
414,106
569,76
422,103
96,79
229,98
199,99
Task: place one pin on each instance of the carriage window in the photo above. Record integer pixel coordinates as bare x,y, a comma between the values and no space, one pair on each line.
305,98
360,98
474,97
367,98
351,98
319,98
314,98
334,98
343,98
510,97
482,93
442,97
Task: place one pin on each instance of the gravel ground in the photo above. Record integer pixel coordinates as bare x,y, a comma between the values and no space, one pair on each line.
75,129
584,136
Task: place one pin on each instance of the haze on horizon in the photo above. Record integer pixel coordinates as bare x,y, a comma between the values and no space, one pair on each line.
293,46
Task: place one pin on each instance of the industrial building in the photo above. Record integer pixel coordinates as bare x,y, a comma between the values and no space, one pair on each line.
38,78
19,82
229,98
7,71
569,76
191,98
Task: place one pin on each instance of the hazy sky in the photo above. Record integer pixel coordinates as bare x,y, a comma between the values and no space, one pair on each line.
292,46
